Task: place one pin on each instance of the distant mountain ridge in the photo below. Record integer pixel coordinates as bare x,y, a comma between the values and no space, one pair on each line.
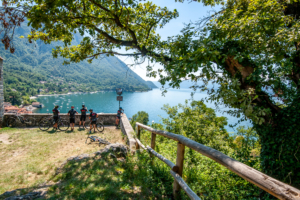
32,69
151,84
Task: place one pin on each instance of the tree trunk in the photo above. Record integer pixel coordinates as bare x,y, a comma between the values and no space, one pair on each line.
280,141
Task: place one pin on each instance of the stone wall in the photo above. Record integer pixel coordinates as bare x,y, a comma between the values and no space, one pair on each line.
128,131
106,118
1,91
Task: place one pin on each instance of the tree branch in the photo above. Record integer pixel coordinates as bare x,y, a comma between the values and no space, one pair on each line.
115,53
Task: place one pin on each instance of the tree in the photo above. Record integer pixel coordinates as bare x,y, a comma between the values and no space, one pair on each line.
141,117
247,145
251,49
13,97
199,123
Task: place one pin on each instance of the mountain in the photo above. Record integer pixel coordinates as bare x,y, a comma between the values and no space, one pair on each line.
187,84
151,84
32,69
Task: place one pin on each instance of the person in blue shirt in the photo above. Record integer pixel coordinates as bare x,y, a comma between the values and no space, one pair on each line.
119,115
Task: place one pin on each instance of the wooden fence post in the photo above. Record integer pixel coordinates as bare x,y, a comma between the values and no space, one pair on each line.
179,164
153,137
138,134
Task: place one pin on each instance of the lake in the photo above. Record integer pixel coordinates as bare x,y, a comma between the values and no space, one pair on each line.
150,102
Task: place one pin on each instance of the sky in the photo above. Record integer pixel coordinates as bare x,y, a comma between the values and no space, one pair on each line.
188,12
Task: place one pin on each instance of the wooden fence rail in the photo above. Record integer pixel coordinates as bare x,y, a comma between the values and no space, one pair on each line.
263,181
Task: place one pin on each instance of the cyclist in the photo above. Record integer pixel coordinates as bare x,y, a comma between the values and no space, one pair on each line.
119,113
55,116
72,113
93,118
83,116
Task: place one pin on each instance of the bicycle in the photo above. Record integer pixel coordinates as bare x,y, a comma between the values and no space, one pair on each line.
12,121
99,126
97,139
45,124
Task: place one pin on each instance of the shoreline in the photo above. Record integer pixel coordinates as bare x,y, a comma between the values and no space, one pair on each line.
69,93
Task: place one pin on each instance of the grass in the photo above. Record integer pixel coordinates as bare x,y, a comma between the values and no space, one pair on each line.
32,157
107,178
29,157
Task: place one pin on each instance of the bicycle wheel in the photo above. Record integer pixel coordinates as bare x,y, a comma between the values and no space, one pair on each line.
63,125
87,139
44,125
30,122
100,127
11,122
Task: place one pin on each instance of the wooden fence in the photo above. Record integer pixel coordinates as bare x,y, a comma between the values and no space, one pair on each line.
263,181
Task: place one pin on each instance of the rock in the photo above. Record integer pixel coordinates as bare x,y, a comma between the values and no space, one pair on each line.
29,196
112,155
119,150
38,193
80,157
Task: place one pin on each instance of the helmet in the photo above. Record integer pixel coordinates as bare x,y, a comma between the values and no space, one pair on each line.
91,110
120,107
83,105
72,106
57,106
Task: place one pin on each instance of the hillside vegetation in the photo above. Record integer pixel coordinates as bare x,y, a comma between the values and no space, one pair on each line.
135,177
33,62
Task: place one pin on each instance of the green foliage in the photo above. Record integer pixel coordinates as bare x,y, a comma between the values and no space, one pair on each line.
247,146
255,45
281,145
205,177
13,97
141,117
197,122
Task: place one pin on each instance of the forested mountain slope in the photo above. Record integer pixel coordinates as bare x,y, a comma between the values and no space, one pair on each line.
33,62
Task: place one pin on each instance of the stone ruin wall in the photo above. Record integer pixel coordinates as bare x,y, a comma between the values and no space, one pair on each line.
107,118
1,91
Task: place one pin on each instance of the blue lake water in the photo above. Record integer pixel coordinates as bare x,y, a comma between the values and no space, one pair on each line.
150,102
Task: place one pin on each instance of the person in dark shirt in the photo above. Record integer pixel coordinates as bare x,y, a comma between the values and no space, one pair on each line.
55,116
72,113
93,117
119,113
83,115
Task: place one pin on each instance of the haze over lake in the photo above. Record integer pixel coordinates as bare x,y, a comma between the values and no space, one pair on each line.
150,102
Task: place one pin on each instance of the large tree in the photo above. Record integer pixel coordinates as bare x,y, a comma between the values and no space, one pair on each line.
250,49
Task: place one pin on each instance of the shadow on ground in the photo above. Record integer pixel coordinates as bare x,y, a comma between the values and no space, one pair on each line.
111,178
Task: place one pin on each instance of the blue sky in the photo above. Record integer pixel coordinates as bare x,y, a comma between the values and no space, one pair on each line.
187,12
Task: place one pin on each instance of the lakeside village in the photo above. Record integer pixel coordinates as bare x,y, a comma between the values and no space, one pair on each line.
26,109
